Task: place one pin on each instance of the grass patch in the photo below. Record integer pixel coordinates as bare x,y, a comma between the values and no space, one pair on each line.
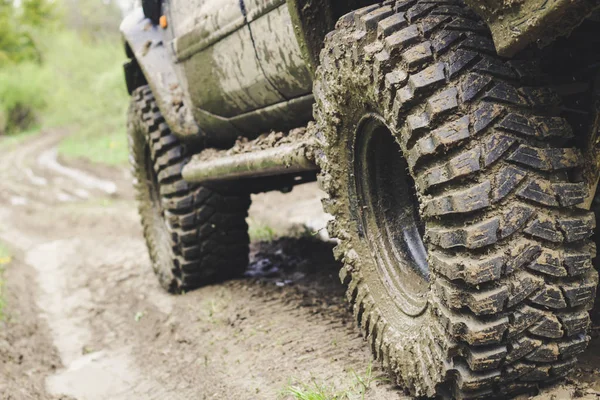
88,94
315,390
79,85
22,97
11,141
312,391
5,259
110,149
260,232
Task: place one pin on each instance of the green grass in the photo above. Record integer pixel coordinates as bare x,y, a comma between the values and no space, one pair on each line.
88,95
109,149
312,391
260,232
22,87
5,259
315,390
11,141
80,85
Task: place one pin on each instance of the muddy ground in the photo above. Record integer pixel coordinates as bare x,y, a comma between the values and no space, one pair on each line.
87,320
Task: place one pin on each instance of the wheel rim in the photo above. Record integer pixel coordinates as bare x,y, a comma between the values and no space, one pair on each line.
389,211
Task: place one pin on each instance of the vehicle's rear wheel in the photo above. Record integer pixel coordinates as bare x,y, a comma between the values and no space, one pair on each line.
454,185
195,235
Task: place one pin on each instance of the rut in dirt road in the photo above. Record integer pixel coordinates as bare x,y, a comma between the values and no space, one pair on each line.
89,320
115,334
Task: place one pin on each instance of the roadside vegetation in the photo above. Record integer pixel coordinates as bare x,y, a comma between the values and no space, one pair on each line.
260,232
61,67
358,387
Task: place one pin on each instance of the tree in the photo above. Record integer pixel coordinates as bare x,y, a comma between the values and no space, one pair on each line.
17,25
37,13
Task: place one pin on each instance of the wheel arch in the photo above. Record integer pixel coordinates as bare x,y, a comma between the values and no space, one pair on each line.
151,63
314,19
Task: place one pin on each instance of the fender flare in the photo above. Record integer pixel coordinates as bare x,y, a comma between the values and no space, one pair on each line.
313,20
535,21
151,62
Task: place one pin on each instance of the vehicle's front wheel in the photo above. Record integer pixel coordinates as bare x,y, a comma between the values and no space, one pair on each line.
195,235
453,181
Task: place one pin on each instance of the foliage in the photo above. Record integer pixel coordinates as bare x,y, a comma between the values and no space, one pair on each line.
75,82
22,96
17,27
311,392
87,93
260,232
320,391
19,57
37,13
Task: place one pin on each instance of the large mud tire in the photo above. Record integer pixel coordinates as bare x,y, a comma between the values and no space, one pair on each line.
195,235
496,178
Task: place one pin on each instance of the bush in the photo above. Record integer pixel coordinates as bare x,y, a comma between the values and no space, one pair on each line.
17,27
22,97
88,94
78,84
21,90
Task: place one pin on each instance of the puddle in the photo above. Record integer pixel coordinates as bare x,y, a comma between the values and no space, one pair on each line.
61,306
36,180
66,304
49,160
64,197
99,375
286,261
18,201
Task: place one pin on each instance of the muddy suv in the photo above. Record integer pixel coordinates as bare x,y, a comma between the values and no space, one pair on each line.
456,142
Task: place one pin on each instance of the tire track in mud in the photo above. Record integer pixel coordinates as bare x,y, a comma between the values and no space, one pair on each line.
119,336
31,173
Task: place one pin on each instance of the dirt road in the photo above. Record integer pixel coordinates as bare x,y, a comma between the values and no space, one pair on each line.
87,320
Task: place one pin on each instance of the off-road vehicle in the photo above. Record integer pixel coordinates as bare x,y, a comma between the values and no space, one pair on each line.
456,141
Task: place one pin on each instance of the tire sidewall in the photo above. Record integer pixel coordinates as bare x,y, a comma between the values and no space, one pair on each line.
342,108
155,229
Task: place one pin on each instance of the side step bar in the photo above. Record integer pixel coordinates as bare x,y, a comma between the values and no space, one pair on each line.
284,159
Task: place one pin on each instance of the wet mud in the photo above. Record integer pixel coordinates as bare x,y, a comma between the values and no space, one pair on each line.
102,327
265,141
88,320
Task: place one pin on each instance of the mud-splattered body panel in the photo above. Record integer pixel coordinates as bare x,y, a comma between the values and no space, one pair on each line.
229,68
240,64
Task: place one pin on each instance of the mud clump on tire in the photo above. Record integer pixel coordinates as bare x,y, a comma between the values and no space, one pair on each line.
510,277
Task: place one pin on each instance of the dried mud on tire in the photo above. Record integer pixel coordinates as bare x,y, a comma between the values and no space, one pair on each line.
510,271
195,235
228,339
